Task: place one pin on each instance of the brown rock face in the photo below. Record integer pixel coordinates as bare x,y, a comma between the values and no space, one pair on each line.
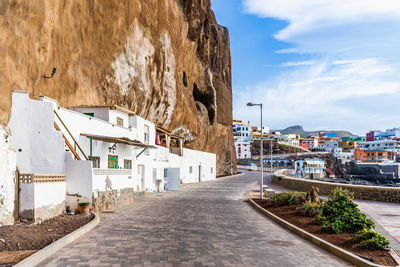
167,60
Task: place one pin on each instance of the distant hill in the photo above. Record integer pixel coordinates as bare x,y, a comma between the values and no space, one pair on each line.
299,130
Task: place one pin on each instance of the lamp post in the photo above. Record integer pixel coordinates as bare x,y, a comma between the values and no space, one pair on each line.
262,150
270,152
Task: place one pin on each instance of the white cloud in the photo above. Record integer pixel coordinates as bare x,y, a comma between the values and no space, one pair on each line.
309,15
298,63
355,48
312,95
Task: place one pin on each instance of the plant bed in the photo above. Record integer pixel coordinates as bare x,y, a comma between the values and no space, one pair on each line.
22,239
342,233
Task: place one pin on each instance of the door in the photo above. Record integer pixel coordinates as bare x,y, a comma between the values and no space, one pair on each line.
200,173
141,177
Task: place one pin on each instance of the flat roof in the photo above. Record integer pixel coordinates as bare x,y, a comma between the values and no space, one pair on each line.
112,107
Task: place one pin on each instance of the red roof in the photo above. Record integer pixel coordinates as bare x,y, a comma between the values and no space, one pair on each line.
330,172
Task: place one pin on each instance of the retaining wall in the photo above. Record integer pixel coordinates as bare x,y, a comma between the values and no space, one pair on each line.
375,193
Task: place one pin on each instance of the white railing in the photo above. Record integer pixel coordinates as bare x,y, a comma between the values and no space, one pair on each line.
112,171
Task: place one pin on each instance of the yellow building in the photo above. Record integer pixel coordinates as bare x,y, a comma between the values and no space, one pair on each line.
347,146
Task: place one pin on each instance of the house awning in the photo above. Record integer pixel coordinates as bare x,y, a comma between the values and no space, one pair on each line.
118,140
164,131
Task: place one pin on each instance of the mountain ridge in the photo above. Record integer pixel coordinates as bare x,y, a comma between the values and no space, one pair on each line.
298,129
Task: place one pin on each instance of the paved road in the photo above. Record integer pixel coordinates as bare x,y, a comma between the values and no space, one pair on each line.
206,224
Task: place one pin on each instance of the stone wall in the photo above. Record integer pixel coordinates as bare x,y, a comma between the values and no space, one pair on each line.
7,177
112,199
376,193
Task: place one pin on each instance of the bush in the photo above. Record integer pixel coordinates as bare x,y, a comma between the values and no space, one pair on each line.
341,214
368,239
288,198
310,209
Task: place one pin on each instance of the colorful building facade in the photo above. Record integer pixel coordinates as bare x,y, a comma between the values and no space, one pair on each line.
373,156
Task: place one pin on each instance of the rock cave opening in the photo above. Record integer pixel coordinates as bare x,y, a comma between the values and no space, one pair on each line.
207,98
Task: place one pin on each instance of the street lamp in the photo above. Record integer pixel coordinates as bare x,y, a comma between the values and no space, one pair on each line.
262,149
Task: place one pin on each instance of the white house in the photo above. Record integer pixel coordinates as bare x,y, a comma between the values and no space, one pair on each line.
290,139
243,149
385,145
343,156
314,168
330,146
312,142
242,137
104,155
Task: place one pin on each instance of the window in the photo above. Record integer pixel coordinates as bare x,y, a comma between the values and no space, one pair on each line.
190,169
96,162
128,164
212,170
120,121
112,162
146,134
91,114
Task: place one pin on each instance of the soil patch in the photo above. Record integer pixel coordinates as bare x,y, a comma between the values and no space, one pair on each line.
22,239
344,240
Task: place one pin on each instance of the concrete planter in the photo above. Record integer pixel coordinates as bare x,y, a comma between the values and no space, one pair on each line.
337,251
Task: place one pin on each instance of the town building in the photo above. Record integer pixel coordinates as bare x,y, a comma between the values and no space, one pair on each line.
390,145
354,138
343,156
243,150
311,142
347,146
330,146
309,168
373,156
242,137
103,155
290,139
242,131
377,135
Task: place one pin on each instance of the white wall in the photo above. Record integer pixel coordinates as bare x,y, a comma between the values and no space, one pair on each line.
40,148
7,176
99,113
47,197
79,179
116,113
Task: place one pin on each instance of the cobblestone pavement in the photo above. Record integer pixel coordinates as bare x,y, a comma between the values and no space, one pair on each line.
205,224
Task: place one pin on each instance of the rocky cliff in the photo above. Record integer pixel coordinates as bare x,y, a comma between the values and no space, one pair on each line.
166,60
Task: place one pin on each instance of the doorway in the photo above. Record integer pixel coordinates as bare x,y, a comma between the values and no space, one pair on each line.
141,177
199,173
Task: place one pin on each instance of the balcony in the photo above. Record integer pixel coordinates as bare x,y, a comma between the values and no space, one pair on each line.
97,171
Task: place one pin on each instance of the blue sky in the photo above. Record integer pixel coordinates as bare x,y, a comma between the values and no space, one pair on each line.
323,64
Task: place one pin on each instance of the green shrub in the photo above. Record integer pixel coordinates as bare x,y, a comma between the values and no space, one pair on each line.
310,209
341,214
288,198
368,239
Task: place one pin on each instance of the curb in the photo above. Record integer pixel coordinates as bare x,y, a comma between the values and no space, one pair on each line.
46,252
335,250
230,176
